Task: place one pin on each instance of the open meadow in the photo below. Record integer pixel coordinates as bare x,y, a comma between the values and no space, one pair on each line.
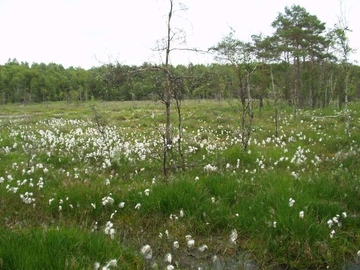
82,187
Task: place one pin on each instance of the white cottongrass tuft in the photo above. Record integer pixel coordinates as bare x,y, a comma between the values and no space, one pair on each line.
173,217
112,215
111,263
233,236
168,258
210,168
189,241
122,205
291,202
146,251
203,248
107,200
27,197
109,229
176,245
330,223
301,214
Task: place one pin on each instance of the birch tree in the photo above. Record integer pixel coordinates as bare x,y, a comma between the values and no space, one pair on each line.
241,57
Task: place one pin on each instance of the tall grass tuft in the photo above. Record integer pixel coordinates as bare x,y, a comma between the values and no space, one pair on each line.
62,249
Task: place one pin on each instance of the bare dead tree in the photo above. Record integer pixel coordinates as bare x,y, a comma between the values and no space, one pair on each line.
171,92
174,40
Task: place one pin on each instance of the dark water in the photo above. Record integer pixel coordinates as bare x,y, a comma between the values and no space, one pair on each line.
352,266
243,261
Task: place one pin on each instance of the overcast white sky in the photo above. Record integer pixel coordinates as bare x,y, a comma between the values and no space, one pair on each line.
85,33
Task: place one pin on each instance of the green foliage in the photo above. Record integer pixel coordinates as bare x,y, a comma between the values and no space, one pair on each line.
318,73
62,249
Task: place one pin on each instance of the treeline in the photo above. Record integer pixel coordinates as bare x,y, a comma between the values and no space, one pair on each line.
302,63
24,83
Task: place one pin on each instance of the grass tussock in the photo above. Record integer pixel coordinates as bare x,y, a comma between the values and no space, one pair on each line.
62,249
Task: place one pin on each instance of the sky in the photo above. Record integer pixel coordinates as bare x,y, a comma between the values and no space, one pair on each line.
88,33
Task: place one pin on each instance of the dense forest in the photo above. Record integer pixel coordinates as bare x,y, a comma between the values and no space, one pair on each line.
302,63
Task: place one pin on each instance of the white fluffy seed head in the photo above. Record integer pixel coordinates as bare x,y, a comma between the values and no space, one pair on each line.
233,236
168,258
190,243
146,251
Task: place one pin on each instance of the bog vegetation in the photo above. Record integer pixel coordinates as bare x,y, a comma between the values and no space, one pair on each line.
80,188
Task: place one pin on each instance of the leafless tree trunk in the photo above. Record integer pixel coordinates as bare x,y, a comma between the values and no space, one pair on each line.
170,91
347,112
247,110
275,103
179,142
296,85
168,82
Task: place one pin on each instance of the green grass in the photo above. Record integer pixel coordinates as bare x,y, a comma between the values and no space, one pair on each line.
78,174
62,249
